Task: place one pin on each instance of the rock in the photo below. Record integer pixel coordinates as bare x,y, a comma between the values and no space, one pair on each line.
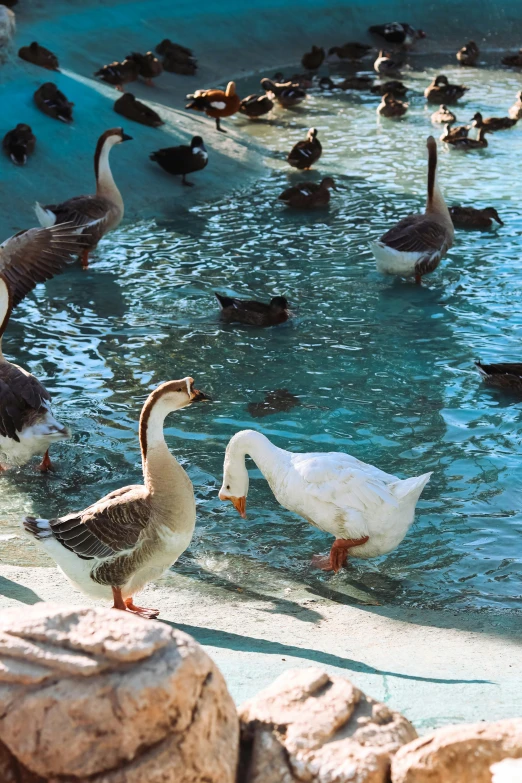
106,697
313,727
458,754
506,771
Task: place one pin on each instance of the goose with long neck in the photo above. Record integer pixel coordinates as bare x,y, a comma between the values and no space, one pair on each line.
98,213
132,535
367,510
416,244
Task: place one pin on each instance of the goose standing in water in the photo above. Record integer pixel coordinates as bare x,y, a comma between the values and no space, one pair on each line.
132,535
367,510
415,246
99,213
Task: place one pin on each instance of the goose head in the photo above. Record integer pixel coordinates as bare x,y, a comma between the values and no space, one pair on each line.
235,482
174,395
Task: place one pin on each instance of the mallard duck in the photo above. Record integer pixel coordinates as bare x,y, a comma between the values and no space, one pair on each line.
304,154
385,64
492,124
314,59
356,83
27,426
97,214
470,217
391,107
118,74
182,160
149,67
19,143
216,103
397,33
394,87
243,311
53,102
133,109
308,195
367,510
515,111
443,116
178,59
287,94
465,143
469,54
441,91
349,51
39,55
132,535
278,401
457,132
255,106
169,46
416,244
505,375
513,60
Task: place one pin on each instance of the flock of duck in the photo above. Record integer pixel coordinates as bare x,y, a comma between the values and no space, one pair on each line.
131,536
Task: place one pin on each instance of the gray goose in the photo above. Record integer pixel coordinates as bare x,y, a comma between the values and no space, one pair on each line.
132,535
27,426
99,213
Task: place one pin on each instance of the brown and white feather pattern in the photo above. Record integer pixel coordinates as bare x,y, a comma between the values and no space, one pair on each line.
22,400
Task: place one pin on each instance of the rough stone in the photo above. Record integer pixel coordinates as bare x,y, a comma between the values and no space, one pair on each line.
312,727
458,754
104,696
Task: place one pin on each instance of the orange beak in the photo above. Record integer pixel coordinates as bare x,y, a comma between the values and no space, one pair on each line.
240,505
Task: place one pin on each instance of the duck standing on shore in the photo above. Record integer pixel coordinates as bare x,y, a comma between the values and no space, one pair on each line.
216,103
39,55
182,160
51,101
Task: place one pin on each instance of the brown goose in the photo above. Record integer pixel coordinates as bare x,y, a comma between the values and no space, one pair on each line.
313,60
19,143
468,54
99,213
441,91
304,154
243,311
39,55
492,124
133,109
308,195
27,426
53,102
391,107
470,217
465,143
505,375
443,116
515,111
416,244
132,535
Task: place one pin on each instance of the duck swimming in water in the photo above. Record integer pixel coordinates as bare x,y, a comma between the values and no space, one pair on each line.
441,91
503,375
391,107
468,54
253,313
308,195
255,106
515,111
443,116
287,94
492,124
472,218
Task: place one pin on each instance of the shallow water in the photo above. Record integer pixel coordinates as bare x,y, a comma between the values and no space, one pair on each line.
383,369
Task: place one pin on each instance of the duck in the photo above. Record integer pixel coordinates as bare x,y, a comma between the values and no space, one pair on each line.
400,33
451,133
492,124
216,103
304,154
27,425
385,64
308,195
391,107
368,511
440,90
443,116
177,58
505,375
468,54
182,160
416,244
96,214
133,109
313,59
39,55
119,74
470,217
352,51
253,313
513,60
113,548
255,106
394,87
356,83
149,67
465,143
169,46
277,401
515,111
53,102
19,143
325,83
287,94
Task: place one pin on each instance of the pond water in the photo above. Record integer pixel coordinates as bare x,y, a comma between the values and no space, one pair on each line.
382,369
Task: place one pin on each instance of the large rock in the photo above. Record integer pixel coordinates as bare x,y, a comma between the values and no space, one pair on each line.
313,727
106,697
458,754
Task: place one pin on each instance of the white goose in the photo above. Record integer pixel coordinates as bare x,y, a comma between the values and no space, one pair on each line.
416,244
132,535
367,510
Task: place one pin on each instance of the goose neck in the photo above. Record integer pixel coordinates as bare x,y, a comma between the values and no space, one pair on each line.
105,184
162,473
266,456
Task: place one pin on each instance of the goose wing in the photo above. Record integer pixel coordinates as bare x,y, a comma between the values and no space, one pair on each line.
416,234
113,524
21,395
36,255
81,210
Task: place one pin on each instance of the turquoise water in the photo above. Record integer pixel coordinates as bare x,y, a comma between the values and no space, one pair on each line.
382,368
